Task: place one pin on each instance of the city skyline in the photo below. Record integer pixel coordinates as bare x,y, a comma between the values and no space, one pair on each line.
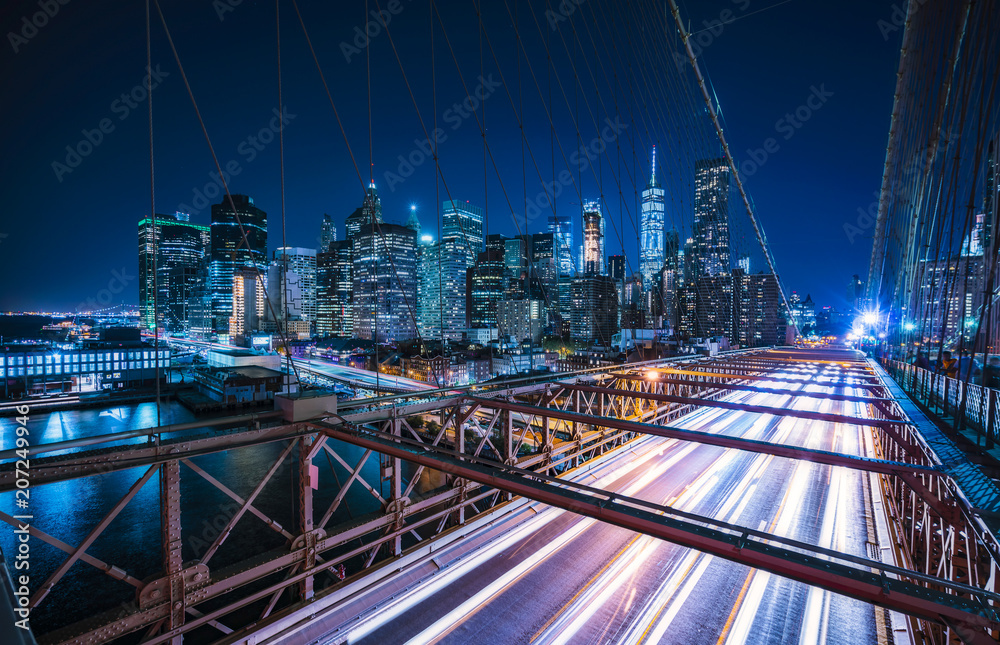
308,123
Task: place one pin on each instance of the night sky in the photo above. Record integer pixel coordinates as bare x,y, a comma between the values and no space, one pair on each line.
69,234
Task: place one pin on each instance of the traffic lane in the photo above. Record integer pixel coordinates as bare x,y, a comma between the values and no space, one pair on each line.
742,492
609,540
722,579
526,603
712,489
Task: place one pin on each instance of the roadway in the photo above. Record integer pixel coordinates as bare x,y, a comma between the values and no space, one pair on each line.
350,375
555,577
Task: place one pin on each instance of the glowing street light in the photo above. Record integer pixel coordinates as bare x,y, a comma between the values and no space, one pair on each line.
870,318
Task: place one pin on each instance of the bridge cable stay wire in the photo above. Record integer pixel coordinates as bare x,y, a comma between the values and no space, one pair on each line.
662,120
963,317
218,167
750,212
734,221
152,215
684,90
378,230
948,283
283,285
912,241
680,89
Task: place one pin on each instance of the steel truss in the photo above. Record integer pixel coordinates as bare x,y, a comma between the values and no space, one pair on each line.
507,440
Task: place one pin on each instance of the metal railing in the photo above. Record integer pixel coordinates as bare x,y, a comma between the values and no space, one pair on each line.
969,405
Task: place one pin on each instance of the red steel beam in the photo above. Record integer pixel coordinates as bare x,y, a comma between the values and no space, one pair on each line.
743,407
757,377
814,570
760,390
723,441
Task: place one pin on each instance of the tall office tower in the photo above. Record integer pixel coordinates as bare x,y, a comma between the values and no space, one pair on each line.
370,208
247,297
544,272
670,280
497,243
199,305
565,289
485,289
856,293
515,256
230,251
948,300
594,318
651,230
334,285
715,306
561,227
756,301
463,222
592,258
328,233
688,268
385,282
412,222
711,217
443,271
180,249
301,262
687,311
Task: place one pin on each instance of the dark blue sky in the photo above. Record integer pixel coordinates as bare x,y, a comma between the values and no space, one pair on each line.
67,237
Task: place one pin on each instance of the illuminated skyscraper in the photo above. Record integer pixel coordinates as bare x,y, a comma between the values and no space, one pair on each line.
443,271
385,282
302,265
463,222
711,218
247,297
230,252
328,233
485,289
334,285
593,239
594,317
652,230
561,227
181,248
370,208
